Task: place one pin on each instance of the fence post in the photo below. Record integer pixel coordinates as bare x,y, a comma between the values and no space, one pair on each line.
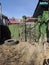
24,21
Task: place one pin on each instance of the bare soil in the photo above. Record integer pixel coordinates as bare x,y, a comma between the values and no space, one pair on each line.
23,53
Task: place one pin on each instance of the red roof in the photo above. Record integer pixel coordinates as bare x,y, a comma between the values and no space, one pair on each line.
31,19
19,21
14,21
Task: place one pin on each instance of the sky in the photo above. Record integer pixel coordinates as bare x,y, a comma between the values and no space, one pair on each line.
18,8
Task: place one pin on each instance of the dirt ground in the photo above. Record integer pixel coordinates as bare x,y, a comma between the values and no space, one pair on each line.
23,53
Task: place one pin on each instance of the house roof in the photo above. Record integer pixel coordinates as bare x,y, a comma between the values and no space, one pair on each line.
14,21
31,19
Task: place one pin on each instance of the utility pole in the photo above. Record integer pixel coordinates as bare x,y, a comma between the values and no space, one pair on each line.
0,20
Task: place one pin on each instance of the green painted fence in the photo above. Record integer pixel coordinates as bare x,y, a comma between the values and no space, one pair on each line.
14,29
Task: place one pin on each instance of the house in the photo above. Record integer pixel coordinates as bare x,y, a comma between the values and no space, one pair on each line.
31,20
4,30
14,21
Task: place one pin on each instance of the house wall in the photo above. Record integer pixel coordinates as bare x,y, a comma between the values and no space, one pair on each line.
4,30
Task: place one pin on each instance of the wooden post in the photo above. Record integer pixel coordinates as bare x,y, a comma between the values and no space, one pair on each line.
24,22
25,32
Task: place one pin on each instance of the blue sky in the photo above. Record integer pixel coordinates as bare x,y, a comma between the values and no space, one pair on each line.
18,8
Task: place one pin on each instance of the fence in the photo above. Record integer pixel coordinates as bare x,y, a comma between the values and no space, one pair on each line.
31,32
